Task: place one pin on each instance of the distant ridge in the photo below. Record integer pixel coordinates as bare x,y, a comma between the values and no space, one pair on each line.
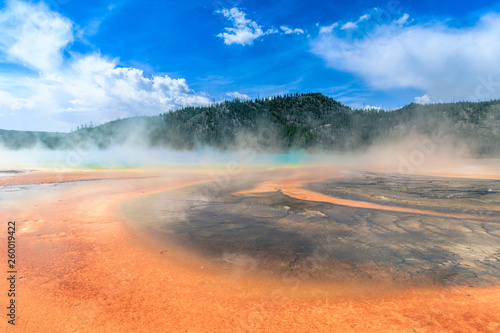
309,121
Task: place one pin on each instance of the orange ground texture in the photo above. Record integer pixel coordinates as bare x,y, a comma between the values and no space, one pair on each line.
83,268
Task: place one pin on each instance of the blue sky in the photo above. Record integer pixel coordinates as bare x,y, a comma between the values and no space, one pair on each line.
67,62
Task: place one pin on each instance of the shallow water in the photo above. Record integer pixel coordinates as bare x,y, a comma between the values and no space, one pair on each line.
221,255
276,234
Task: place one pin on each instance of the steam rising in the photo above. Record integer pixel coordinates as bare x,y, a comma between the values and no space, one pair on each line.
307,129
413,155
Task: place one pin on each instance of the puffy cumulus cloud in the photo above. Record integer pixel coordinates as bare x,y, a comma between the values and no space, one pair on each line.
238,95
93,88
444,62
66,92
93,82
244,31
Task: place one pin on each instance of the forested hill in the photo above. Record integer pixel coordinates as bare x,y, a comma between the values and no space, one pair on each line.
302,121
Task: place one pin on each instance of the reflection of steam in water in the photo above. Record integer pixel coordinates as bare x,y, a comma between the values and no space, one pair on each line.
281,231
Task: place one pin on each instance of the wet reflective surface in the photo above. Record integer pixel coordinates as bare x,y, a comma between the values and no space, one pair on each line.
268,251
280,235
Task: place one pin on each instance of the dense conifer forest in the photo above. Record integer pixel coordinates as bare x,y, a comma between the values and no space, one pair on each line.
310,121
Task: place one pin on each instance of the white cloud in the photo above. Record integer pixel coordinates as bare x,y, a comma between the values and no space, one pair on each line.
371,107
237,95
403,19
364,18
445,63
328,29
349,25
65,93
425,99
354,25
272,31
243,31
288,30
14,103
34,36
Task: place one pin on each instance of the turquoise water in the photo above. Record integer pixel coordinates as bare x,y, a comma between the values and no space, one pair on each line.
124,157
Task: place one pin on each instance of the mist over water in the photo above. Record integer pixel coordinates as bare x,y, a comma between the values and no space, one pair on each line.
133,157
411,155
